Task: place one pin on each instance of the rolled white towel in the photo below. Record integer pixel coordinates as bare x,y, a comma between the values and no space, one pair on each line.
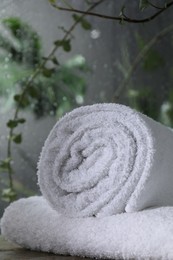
105,159
33,224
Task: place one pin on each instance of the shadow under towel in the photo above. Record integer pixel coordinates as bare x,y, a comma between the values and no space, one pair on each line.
106,159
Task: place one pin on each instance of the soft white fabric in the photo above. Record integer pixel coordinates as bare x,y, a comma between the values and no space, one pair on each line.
105,159
33,224
100,160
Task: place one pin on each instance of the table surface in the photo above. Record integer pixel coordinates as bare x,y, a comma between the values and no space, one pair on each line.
9,251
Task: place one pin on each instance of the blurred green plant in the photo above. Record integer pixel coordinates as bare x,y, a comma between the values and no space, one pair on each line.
20,52
58,88
143,98
152,60
37,83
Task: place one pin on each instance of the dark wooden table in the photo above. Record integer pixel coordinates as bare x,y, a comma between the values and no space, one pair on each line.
9,251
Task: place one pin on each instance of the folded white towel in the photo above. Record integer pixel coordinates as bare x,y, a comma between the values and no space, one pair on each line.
33,224
105,159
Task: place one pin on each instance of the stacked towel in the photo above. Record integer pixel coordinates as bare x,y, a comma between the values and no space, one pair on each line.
144,235
97,163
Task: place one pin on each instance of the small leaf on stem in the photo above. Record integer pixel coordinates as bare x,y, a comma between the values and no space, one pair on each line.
122,11
52,2
143,4
17,138
5,164
55,61
17,98
85,24
76,17
33,92
21,120
65,44
23,101
47,72
12,123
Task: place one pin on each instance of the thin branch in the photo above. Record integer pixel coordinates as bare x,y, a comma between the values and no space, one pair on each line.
139,58
29,83
67,4
118,18
157,7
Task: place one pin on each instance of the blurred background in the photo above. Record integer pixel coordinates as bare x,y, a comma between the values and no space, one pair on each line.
105,62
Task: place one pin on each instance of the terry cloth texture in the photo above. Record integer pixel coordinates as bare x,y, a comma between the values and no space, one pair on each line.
101,167
105,159
144,235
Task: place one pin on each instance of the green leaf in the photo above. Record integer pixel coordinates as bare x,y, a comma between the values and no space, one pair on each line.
52,2
122,11
33,92
121,14
22,100
85,24
47,72
5,164
21,120
153,60
67,45
12,123
17,98
17,138
143,4
55,61
58,43
76,17
8,195
45,58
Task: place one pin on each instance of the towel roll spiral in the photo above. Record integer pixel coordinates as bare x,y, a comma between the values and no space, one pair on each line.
97,160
